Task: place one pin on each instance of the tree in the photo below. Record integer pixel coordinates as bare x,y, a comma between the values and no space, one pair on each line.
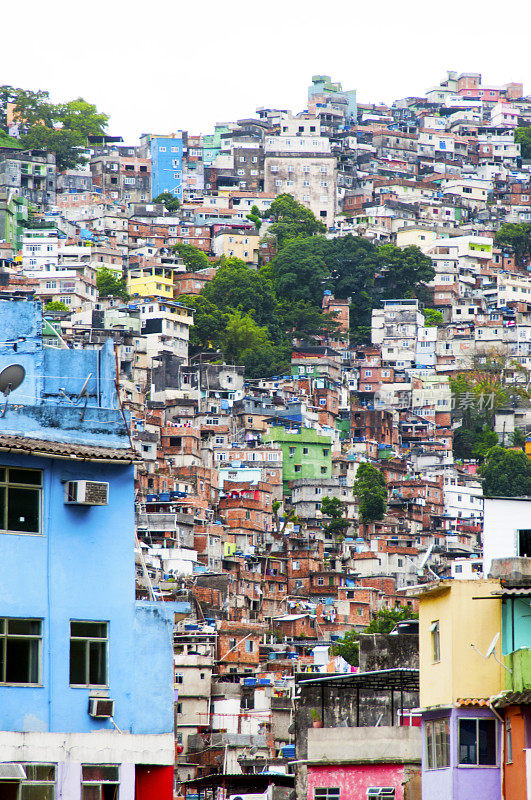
506,473
111,286
333,507
56,305
522,136
300,272
65,144
236,285
517,236
194,258
385,620
169,201
244,338
255,216
208,330
433,317
518,438
371,491
403,269
82,118
291,219
348,647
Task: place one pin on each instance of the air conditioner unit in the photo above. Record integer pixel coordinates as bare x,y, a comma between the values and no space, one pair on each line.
86,493
101,707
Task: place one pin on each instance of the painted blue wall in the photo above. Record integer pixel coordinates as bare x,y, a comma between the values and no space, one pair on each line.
516,624
81,565
166,166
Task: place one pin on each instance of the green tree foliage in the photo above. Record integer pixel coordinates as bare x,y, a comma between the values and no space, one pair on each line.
516,235
506,473
348,647
386,619
522,136
291,220
432,317
518,438
61,128
194,258
171,204
244,338
371,492
383,622
236,285
333,507
350,267
208,330
111,286
67,145
255,216
56,305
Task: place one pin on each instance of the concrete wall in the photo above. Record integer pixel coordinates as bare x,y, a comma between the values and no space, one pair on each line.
502,519
373,744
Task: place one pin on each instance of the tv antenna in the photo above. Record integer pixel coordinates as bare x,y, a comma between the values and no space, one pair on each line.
83,393
491,651
10,379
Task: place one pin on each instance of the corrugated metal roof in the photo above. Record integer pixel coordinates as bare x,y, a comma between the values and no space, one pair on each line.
511,699
41,447
512,592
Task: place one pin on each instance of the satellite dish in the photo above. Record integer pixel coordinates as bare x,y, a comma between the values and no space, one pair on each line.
83,393
492,645
10,379
426,556
83,390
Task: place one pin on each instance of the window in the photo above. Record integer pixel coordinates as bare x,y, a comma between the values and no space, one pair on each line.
437,736
379,792
298,468
179,677
39,783
88,653
477,742
326,793
99,782
323,470
249,646
305,451
20,650
508,742
435,641
20,500
524,543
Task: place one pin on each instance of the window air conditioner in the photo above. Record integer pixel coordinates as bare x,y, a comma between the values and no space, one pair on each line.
101,707
86,493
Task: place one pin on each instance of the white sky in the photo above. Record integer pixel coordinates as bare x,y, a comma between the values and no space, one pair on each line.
161,66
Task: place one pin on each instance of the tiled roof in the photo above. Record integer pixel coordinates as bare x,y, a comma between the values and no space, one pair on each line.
41,447
472,701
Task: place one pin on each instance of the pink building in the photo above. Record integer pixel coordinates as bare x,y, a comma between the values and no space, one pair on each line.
369,781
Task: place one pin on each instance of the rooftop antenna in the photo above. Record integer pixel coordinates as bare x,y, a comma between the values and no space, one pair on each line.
83,393
10,379
491,651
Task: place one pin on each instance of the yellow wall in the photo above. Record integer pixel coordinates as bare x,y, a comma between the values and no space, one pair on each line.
149,286
463,621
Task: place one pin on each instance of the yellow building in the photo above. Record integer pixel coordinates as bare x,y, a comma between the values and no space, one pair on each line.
151,281
238,244
456,616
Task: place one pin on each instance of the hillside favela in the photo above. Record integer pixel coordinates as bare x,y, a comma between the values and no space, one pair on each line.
265,450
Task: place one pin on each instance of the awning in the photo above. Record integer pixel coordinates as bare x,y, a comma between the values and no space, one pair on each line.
405,679
12,772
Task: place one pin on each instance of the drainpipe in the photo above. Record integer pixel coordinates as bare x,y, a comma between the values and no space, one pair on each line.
502,748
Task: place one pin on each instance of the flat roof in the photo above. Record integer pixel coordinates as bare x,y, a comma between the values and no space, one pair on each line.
406,679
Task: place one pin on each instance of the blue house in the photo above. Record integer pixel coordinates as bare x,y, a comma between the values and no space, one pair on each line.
86,683
167,164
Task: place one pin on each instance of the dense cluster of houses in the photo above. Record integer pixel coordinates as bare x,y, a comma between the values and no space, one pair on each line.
188,647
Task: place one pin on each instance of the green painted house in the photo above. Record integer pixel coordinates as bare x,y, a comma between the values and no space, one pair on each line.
306,454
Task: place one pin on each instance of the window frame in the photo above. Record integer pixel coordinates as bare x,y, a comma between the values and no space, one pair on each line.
326,793
90,640
5,636
98,782
7,484
38,782
477,720
435,641
437,755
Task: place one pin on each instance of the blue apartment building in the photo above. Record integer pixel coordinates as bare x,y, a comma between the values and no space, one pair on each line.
167,164
86,671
